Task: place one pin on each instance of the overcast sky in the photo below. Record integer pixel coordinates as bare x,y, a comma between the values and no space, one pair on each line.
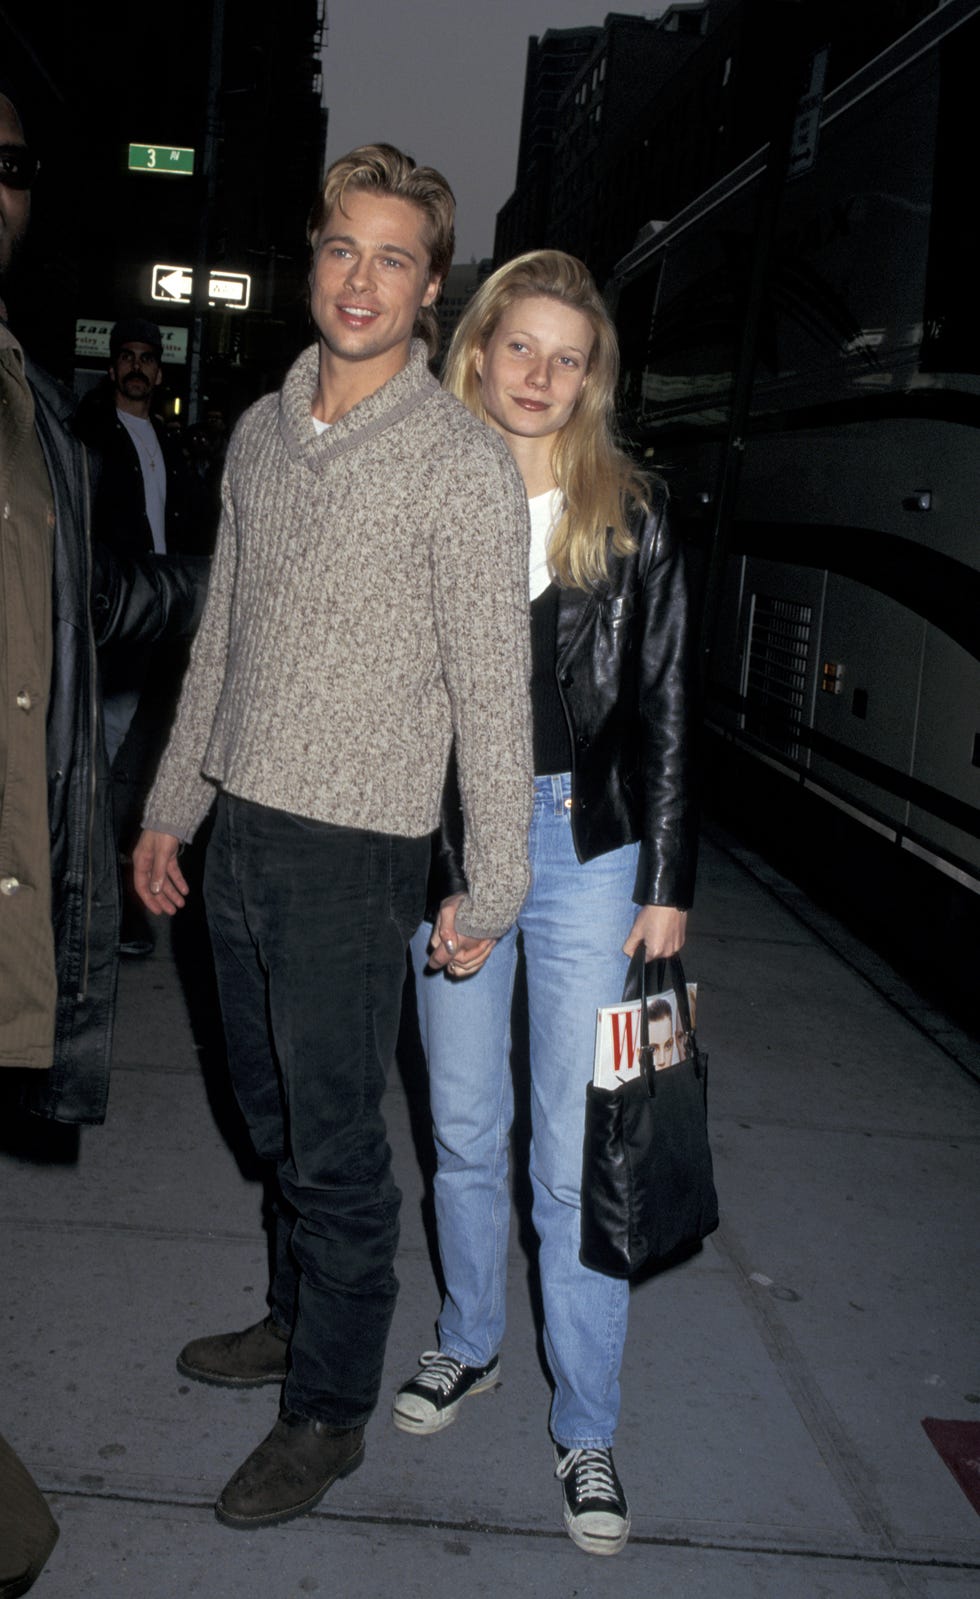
444,80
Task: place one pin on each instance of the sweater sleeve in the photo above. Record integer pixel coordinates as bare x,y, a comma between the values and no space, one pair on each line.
181,796
480,590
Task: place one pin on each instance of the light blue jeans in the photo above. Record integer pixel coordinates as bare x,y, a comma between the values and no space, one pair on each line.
574,923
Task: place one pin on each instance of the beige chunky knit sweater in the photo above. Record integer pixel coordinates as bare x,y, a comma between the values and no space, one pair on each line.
368,602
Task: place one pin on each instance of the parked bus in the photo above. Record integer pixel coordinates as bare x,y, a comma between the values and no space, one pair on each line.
843,691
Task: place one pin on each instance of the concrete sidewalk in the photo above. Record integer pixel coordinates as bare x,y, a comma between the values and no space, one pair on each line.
774,1387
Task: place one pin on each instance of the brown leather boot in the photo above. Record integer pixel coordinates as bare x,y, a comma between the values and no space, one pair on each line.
245,1359
289,1473
28,1531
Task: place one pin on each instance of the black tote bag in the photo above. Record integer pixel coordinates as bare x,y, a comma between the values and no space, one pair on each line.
648,1191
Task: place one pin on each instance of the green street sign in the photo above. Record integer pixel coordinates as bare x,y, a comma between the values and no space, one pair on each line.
160,158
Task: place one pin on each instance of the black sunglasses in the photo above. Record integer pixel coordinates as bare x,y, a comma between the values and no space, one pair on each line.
18,167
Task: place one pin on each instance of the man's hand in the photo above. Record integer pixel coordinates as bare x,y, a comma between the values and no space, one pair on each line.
460,955
157,878
662,928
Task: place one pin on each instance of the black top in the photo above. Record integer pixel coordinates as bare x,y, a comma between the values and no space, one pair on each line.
552,743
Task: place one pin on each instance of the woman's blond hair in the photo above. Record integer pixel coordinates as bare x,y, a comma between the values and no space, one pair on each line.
599,482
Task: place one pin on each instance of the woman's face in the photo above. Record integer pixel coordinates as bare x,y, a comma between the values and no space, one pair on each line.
534,366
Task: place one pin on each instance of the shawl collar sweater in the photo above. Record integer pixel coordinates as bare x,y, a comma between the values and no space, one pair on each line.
368,605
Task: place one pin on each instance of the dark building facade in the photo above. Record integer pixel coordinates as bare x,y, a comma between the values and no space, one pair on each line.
553,62
462,282
240,83
654,112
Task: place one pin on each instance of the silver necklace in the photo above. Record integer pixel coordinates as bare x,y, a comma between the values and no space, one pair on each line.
151,455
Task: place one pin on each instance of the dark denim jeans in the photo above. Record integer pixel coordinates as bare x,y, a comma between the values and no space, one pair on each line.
309,925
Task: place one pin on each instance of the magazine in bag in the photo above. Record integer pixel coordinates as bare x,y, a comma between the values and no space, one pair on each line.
617,1037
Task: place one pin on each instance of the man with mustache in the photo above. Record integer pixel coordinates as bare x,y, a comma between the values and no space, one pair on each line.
148,503
146,498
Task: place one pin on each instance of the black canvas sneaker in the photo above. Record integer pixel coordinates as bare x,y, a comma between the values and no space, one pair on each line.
431,1399
596,1513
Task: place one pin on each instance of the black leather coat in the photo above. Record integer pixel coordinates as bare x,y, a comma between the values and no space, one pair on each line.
627,676
94,601
119,505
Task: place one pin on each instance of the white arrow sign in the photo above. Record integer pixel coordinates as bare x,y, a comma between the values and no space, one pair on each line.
232,290
172,283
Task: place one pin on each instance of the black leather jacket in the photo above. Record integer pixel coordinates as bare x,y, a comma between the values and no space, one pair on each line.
95,600
119,506
627,679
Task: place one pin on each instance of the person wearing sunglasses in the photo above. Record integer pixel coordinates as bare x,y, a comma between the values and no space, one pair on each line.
57,861
18,166
18,169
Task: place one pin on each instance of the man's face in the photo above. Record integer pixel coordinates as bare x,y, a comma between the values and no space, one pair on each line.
371,275
662,1042
15,204
136,372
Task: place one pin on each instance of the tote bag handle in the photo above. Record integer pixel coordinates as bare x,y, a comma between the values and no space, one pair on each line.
636,987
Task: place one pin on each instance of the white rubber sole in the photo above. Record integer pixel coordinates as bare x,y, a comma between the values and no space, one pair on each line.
425,1426
597,1543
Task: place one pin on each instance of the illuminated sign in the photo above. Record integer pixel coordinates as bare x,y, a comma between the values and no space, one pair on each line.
230,290
161,158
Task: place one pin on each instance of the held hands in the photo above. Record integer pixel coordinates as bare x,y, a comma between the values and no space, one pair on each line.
157,878
662,928
460,955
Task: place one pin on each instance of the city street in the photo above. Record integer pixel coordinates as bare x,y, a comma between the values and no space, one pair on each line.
774,1388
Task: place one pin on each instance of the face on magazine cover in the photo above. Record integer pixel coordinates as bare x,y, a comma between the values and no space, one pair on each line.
661,1034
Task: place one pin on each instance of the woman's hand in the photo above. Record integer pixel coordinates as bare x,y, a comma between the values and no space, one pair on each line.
462,956
662,928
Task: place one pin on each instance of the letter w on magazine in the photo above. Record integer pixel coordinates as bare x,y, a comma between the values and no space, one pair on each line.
617,1037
